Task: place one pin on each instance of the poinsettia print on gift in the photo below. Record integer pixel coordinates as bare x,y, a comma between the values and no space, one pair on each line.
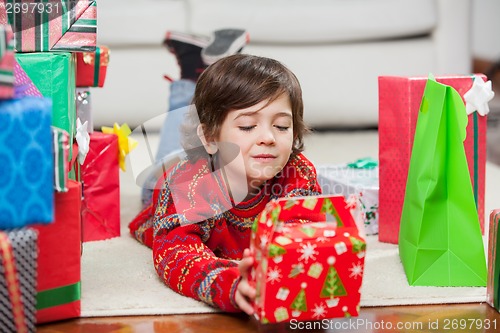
309,260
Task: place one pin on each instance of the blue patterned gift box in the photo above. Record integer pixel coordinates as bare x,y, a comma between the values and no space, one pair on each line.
26,162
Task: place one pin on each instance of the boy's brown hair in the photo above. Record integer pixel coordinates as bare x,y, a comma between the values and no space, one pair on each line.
241,81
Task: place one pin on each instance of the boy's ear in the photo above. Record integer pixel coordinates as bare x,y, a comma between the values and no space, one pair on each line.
210,146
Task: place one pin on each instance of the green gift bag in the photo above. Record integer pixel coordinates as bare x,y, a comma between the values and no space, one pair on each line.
440,242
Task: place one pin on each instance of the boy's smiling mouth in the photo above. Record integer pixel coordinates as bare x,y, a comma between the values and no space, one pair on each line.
264,157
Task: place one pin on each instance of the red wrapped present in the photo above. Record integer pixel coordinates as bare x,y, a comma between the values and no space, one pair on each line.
7,62
309,260
52,25
101,188
399,103
59,257
493,291
91,67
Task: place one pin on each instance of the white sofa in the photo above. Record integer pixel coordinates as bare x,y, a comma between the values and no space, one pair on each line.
337,48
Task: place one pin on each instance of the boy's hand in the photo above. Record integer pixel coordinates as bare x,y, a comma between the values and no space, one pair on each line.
244,292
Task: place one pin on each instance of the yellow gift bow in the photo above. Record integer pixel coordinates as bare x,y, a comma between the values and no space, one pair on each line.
125,144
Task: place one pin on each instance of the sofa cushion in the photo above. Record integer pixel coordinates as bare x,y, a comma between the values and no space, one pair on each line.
133,23
315,21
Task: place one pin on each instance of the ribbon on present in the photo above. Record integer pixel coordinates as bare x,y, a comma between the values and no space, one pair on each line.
476,99
11,277
7,62
363,163
60,142
125,143
58,296
478,96
82,139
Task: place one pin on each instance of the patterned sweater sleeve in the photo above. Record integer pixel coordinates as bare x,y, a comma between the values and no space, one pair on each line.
185,263
299,178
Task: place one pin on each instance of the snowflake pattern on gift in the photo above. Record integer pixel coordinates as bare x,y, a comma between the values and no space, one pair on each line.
356,270
308,251
321,239
319,311
274,275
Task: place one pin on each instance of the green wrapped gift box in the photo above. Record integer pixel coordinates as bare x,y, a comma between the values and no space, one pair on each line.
54,75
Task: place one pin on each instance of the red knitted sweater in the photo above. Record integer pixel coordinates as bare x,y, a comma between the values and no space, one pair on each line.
198,259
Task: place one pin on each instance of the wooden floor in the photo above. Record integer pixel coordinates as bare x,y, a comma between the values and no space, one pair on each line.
431,318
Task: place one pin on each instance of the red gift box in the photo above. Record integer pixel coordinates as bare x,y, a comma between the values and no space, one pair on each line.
399,102
59,269
101,188
309,260
91,67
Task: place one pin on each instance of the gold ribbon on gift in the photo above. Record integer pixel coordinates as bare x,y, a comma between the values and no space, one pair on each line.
125,144
100,56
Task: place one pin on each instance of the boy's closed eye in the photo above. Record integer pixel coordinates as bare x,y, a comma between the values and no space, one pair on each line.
249,128
282,128
246,128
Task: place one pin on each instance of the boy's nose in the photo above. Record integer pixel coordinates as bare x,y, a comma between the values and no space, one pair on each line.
267,137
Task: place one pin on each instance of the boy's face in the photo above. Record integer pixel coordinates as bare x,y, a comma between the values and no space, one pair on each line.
264,135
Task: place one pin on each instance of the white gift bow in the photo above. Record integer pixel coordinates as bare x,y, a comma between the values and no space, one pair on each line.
478,96
82,139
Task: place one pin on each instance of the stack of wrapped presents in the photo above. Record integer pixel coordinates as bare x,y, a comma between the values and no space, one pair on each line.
59,180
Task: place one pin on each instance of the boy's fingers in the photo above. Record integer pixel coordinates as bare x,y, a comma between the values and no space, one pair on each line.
246,290
245,265
243,304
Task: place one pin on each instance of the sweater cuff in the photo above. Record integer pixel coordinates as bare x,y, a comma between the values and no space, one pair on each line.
219,287
232,293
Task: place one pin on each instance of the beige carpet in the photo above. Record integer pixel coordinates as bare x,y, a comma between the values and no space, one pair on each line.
118,276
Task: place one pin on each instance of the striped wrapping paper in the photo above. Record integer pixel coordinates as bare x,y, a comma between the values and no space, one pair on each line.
52,25
7,62
60,142
18,271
